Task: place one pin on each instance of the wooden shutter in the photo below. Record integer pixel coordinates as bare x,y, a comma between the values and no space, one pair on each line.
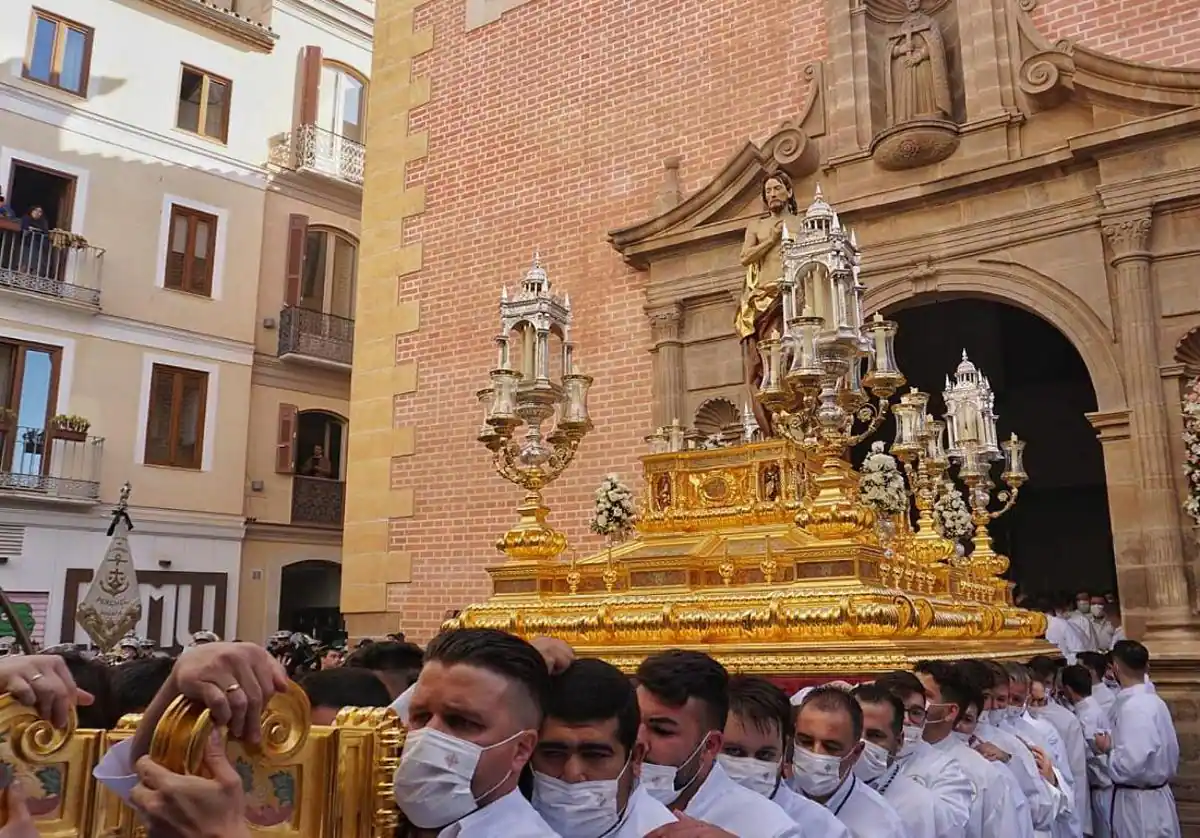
310,85
294,266
285,447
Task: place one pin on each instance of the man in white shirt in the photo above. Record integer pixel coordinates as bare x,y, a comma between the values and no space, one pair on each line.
1100,624
1078,687
588,758
829,731
684,703
920,762
1143,752
1098,667
758,731
1068,636
1043,708
883,733
1081,617
999,807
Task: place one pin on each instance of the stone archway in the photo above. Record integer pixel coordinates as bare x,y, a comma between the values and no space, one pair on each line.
1059,535
309,597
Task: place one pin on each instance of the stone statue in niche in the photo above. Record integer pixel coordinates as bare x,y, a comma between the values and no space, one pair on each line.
759,310
918,86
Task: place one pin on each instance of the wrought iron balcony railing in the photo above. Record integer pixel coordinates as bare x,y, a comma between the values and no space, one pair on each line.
56,265
318,501
40,463
324,339
310,148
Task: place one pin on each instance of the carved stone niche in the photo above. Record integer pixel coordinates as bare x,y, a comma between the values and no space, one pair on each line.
913,68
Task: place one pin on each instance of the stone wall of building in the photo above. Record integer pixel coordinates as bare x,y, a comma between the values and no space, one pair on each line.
544,129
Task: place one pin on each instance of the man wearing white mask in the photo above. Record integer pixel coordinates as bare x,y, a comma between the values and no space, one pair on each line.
883,731
1062,631
683,700
1143,752
1045,799
919,761
473,720
829,730
758,731
1103,692
1100,624
1077,684
588,758
1042,706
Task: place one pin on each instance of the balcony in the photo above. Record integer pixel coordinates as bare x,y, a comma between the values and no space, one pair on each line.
318,501
314,337
57,266
313,150
38,465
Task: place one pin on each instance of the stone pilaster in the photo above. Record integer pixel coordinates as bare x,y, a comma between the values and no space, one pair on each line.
1158,552
665,328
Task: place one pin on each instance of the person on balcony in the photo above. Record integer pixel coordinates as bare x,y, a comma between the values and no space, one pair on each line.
318,465
35,241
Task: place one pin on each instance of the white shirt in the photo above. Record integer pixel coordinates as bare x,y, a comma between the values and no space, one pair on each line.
1094,719
864,811
1144,758
1069,637
115,771
722,802
1117,636
913,802
511,816
1105,696
1070,730
1044,800
812,818
643,815
1104,633
1083,623
952,789
998,807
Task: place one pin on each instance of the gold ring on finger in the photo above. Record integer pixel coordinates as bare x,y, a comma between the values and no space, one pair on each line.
234,687
35,676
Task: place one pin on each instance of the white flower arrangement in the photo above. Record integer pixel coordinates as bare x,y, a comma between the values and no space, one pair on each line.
951,518
1191,443
880,483
615,512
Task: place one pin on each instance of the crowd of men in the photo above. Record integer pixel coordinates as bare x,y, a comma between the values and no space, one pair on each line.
523,740
1081,623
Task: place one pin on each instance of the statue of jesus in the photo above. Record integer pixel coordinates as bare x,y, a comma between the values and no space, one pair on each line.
759,311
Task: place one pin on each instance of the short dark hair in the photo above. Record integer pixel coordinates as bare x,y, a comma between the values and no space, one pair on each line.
504,654
1077,679
1097,662
345,687
901,684
834,699
96,678
1043,668
1018,673
676,675
977,674
875,694
937,670
592,690
387,656
758,701
136,682
1132,655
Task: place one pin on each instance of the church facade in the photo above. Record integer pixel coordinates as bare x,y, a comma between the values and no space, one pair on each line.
1032,153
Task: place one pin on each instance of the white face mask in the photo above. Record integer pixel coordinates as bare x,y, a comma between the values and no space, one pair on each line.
433,779
816,775
1097,610
659,780
758,775
872,762
913,734
578,810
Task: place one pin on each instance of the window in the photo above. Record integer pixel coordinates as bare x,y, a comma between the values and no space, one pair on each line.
28,391
330,262
342,106
204,104
59,52
175,420
191,251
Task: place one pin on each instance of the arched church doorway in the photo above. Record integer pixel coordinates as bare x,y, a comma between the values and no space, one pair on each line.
309,593
1058,536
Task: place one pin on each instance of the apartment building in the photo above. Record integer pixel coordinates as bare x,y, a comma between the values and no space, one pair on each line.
180,315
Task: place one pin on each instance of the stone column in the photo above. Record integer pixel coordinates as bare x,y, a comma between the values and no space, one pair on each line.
1159,546
665,323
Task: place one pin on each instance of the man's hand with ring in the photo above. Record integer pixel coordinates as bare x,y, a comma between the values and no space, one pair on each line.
44,682
233,680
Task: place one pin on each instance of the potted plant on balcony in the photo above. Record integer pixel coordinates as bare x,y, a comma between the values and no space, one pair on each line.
70,428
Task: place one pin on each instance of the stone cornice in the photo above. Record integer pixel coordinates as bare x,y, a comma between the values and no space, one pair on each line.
1110,425
293,534
269,371
229,24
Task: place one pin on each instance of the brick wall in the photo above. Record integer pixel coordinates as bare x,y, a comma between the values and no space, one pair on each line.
1163,32
546,129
